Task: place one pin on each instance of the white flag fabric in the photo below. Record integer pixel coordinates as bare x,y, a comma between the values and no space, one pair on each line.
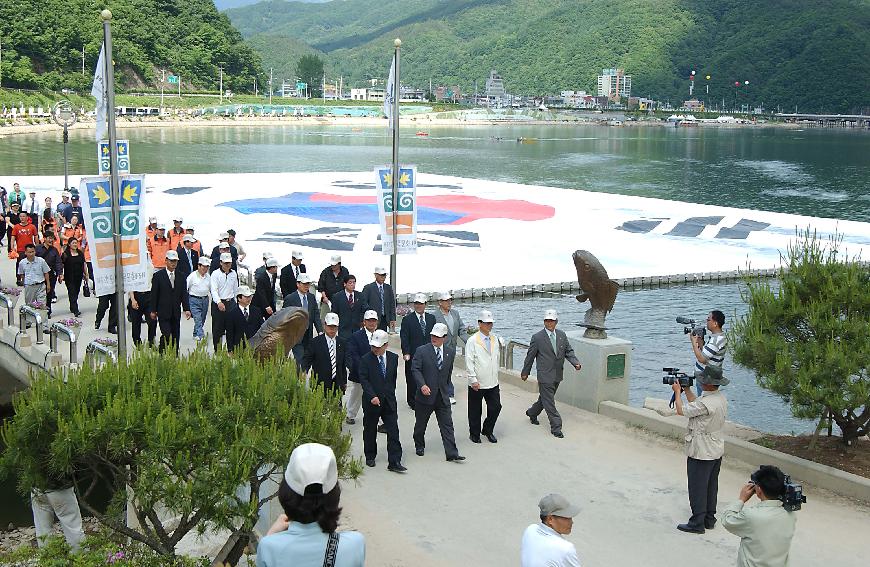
98,91
389,95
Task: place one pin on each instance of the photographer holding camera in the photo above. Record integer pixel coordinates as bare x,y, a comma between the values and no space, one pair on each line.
705,445
711,352
765,530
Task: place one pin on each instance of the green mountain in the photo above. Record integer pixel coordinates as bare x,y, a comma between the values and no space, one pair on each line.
227,4
792,52
43,40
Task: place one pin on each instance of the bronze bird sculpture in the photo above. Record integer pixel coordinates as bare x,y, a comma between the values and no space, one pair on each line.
598,289
285,328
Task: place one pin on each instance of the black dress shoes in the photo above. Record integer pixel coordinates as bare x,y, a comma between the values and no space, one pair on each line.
455,459
534,420
710,524
690,529
490,437
397,468
420,452
370,462
559,435
475,438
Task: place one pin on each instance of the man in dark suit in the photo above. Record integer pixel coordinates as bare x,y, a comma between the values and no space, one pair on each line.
377,372
414,333
264,297
290,273
327,357
331,281
350,306
432,366
188,258
168,299
380,297
303,298
243,320
549,348
358,346
223,247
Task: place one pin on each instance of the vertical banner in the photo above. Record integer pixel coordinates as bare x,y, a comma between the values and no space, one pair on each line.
97,208
406,212
122,155
98,91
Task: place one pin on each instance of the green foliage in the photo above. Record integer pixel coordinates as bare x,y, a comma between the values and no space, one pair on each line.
43,40
310,70
789,50
183,433
281,54
810,341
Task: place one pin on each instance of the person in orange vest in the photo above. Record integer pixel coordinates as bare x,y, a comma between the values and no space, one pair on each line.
159,248
151,229
176,233
71,230
196,244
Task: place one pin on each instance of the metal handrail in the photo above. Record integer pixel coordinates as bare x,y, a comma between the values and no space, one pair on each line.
10,308
249,274
55,331
26,312
94,348
507,361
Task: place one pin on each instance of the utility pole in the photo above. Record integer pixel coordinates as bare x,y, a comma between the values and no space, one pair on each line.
1,61
221,67
83,60
255,86
162,80
271,88
397,43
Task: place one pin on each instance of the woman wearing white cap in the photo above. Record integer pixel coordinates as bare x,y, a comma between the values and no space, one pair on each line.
305,535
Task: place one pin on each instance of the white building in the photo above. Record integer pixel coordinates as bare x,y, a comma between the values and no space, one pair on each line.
359,94
614,84
576,99
495,87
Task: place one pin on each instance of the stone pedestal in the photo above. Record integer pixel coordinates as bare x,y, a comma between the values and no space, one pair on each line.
603,376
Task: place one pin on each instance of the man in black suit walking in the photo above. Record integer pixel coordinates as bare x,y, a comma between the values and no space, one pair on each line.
357,347
380,297
168,299
432,366
414,333
264,297
303,298
188,258
350,306
243,319
377,372
327,357
290,273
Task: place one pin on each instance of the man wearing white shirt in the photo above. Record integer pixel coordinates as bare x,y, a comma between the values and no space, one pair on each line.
543,544
224,288
481,366
199,287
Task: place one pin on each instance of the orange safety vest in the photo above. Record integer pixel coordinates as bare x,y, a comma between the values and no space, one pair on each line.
150,231
159,248
175,238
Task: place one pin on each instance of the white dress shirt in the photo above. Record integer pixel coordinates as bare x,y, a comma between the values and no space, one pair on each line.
542,546
224,286
197,285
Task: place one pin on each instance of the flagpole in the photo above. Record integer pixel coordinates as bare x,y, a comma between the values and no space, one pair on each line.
106,15
395,177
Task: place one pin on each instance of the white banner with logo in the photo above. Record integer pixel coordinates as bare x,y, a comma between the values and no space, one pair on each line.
406,210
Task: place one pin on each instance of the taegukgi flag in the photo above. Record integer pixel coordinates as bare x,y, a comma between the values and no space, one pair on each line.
98,91
390,94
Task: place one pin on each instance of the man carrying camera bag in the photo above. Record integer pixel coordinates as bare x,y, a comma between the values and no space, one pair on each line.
705,445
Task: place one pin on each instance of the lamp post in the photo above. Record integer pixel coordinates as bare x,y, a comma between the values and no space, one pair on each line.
64,115
221,67
746,84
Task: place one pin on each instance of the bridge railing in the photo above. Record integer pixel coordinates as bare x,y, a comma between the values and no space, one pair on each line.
27,313
507,354
57,331
97,353
9,303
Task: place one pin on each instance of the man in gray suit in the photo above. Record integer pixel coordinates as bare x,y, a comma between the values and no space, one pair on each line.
455,329
303,297
548,349
431,366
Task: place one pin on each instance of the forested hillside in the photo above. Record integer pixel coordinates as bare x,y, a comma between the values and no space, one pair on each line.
43,39
813,55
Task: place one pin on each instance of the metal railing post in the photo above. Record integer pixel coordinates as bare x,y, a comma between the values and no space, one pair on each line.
508,362
26,312
9,303
96,353
58,329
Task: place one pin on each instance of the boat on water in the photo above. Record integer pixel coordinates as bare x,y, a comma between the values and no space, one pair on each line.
422,134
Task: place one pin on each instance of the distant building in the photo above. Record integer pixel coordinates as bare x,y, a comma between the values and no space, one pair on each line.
614,84
288,90
576,99
641,103
359,94
448,94
494,87
694,105
411,94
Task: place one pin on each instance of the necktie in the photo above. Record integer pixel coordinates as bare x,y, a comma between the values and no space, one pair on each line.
189,259
381,292
332,355
305,302
245,312
553,340
171,278
296,272
423,325
350,299
488,346
439,358
383,367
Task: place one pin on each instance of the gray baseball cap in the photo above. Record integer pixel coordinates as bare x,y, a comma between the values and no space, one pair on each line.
557,505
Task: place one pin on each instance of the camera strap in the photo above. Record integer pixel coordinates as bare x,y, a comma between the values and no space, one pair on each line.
331,550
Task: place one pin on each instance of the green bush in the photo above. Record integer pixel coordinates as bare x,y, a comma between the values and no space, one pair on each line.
182,433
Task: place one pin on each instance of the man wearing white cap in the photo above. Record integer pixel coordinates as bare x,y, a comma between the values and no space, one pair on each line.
262,268
168,299
63,206
176,233
304,299
197,245
431,367
331,281
358,346
223,246
349,305
379,296
199,288
377,371
290,273
548,349
158,247
188,258
224,288
264,297
327,357
243,320
414,333
455,327
310,494
544,544
151,229
481,366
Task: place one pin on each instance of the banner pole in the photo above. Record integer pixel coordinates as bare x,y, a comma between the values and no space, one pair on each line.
395,176
106,15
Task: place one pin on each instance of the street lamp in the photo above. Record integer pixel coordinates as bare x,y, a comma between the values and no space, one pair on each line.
221,67
64,115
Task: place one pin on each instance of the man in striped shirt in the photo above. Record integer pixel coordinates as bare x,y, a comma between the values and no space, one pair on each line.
712,352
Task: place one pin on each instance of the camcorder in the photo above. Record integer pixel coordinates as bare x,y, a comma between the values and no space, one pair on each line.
691,326
792,495
673,375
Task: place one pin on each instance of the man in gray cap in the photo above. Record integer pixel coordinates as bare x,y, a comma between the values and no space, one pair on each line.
544,544
705,445
548,349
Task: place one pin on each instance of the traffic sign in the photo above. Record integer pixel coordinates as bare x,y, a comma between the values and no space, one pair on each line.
172,79
122,155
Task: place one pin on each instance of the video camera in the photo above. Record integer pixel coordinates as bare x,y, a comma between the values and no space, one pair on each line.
673,375
792,495
692,327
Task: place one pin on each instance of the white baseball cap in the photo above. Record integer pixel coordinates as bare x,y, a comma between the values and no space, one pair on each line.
297,254
331,319
271,262
439,330
224,245
485,316
172,255
551,315
188,238
381,271
206,261
177,219
304,278
161,226
335,260
223,236
420,298
267,255
379,338
226,257
152,219
65,194
370,314
445,296
311,465
245,290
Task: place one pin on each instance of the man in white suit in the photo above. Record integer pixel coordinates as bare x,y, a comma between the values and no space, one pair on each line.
481,366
